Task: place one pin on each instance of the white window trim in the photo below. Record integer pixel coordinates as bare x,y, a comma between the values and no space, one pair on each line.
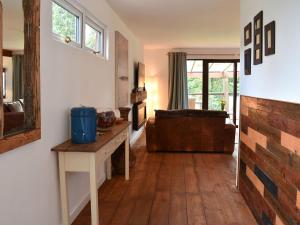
85,17
93,23
69,7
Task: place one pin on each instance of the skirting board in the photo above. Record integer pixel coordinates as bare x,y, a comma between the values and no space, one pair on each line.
135,135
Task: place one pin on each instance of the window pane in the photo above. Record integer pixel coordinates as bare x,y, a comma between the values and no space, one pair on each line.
92,38
216,85
221,86
195,83
238,94
65,23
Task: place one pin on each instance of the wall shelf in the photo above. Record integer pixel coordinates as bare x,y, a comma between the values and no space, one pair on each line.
138,96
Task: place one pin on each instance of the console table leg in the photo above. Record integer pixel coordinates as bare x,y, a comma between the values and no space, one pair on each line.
127,158
94,191
63,190
108,168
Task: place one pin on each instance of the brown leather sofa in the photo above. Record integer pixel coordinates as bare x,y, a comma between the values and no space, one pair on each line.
13,117
191,131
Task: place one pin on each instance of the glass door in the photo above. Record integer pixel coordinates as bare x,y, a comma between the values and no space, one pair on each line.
195,83
214,85
223,87
237,106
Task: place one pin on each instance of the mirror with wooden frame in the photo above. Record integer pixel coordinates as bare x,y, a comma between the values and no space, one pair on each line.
20,87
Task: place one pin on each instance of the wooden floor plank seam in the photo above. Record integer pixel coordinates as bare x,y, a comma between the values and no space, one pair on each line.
201,194
186,203
172,189
149,218
110,221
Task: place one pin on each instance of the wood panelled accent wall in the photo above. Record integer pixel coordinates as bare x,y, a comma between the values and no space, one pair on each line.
269,175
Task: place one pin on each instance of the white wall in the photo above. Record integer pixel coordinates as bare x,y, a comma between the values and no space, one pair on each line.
156,62
69,76
278,77
156,65
7,64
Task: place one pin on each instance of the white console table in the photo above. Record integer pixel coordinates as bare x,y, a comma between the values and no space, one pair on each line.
88,158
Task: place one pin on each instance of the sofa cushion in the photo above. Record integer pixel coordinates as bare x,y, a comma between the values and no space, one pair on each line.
21,100
190,113
15,106
5,107
13,121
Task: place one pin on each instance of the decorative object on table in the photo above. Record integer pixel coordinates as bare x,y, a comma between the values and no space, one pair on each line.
106,120
83,125
258,38
247,61
121,64
248,34
270,39
222,103
124,112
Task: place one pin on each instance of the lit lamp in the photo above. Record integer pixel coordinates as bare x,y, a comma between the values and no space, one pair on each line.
152,95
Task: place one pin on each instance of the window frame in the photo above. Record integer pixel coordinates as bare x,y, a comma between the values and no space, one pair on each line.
85,17
100,28
76,12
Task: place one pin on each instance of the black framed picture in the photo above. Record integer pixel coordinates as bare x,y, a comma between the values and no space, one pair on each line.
258,38
247,61
248,34
270,38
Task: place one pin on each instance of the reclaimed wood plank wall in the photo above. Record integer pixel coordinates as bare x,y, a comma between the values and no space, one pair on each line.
269,175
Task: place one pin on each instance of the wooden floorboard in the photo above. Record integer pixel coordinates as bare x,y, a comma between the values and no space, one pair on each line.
172,189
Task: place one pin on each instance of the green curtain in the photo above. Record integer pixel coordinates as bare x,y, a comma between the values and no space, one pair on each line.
178,88
18,78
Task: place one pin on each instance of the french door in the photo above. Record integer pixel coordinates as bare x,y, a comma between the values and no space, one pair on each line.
214,85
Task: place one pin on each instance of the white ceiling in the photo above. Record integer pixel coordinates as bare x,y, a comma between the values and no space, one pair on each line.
182,23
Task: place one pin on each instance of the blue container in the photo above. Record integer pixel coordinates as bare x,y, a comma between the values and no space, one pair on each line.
83,125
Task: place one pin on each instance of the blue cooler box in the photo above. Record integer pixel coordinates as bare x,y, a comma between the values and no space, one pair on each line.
83,125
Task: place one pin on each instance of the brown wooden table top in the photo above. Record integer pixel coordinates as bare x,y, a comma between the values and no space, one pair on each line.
101,140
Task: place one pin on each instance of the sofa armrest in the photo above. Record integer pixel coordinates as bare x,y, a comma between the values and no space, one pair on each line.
151,137
229,139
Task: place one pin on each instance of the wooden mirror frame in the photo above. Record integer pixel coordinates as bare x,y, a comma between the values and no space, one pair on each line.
32,131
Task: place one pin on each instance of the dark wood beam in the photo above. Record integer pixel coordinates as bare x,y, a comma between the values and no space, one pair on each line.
7,53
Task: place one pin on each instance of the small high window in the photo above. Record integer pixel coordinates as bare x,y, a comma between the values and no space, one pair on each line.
72,24
66,23
94,37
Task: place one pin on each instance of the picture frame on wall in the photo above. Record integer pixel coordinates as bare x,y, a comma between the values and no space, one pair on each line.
258,38
270,38
248,34
247,61
121,68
